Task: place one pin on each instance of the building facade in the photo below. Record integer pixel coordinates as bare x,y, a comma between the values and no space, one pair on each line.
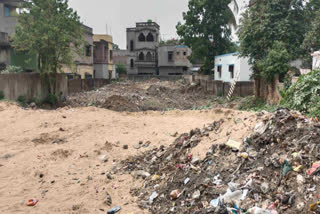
142,47
83,62
8,22
173,60
227,66
104,67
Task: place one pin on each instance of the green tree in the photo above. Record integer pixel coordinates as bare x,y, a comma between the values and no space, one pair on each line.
206,30
116,47
276,62
121,69
269,21
52,30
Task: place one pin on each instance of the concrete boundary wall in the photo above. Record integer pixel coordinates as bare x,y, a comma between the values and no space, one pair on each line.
78,85
149,77
32,86
220,88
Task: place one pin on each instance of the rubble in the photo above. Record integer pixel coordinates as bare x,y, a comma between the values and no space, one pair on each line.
274,170
147,96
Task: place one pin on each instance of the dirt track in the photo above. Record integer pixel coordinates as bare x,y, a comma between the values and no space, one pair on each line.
52,155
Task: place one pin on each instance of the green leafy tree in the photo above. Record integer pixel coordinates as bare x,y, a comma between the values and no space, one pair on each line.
268,21
52,30
312,38
116,47
121,69
276,62
206,30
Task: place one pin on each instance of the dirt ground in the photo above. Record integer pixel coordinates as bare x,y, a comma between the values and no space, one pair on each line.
59,156
148,95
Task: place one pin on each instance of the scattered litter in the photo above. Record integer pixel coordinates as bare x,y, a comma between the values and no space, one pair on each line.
32,202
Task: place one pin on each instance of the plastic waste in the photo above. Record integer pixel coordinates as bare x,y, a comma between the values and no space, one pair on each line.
32,202
315,168
153,196
174,194
186,181
114,210
234,144
286,167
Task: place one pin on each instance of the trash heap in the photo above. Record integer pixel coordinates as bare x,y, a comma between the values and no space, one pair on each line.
274,170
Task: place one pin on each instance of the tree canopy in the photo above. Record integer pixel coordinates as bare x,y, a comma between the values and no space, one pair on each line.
50,29
206,30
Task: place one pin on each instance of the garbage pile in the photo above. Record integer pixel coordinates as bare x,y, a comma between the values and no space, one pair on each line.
274,170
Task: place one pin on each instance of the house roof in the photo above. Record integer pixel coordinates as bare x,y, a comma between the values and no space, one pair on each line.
105,37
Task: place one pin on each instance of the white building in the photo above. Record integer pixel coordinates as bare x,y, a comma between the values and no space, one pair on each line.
227,66
316,60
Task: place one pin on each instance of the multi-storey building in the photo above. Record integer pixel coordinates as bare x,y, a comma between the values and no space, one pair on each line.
142,46
103,57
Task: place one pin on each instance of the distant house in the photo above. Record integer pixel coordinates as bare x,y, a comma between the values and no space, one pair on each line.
8,22
173,60
103,57
142,45
227,65
83,62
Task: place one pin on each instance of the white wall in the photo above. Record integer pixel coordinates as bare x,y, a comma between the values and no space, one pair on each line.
239,64
316,60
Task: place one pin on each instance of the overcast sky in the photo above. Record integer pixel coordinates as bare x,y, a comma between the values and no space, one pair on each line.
120,14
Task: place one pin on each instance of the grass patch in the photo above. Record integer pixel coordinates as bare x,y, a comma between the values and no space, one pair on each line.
256,104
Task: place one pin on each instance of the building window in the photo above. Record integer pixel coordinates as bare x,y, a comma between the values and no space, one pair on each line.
88,50
131,45
149,57
178,53
111,54
141,56
231,70
220,71
150,37
170,56
184,53
6,10
131,63
142,38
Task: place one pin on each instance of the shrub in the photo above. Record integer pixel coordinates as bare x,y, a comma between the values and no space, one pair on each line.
22,100
51,99
275,63
1,95
304,95
12,69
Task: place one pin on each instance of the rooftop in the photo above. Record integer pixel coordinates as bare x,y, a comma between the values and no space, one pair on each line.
105,37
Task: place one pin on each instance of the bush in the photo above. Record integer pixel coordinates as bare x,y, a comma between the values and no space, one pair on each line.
51,99
12,69
304,95
1,95
22,100
276,62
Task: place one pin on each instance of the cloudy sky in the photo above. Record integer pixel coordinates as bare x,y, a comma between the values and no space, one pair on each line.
120,14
